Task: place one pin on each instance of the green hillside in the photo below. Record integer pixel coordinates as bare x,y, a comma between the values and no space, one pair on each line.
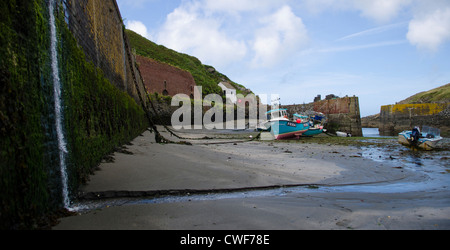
437,95
204,75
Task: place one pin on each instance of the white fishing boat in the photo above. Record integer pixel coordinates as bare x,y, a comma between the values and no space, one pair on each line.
281,127
428,139
315,123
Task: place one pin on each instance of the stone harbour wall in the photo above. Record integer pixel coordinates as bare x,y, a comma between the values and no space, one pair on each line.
99,111
98,27
343,113
397,118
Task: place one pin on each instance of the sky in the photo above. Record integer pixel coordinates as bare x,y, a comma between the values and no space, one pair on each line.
381,51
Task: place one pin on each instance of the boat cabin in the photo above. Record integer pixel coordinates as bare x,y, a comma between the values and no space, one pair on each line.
302,118
277,114
430,132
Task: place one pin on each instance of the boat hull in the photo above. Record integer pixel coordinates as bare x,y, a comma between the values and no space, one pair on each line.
342,134
423,143
287,129
313,132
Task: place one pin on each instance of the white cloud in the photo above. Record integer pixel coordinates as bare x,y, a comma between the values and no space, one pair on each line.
189,30
222,32
238,6
431,29
282,34
139,28
380,10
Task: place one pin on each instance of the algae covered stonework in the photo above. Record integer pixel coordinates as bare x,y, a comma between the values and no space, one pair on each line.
396,118
431,108
97,116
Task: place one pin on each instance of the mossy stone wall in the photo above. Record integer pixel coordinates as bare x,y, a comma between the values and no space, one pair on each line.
399,117
97,115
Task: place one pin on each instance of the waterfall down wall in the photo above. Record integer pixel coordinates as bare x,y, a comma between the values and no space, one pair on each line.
98,113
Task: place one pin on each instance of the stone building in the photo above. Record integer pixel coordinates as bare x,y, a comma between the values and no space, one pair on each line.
228,91
165,79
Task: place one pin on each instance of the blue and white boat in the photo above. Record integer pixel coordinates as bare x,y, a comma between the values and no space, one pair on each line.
281,127
428,139
314,128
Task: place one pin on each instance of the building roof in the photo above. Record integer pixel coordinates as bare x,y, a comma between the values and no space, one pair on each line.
227,85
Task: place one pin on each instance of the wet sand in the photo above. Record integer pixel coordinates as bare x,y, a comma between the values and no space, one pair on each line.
339,187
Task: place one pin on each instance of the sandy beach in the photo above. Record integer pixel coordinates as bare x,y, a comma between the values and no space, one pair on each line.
235,183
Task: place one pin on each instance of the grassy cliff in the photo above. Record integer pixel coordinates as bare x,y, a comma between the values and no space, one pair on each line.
437,95
204,75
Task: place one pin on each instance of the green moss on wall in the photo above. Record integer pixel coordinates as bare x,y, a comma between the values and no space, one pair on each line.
423,109
23,173
105,116
97,116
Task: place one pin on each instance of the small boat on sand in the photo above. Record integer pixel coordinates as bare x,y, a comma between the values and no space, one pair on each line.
343,134
315,125
428,139
281,127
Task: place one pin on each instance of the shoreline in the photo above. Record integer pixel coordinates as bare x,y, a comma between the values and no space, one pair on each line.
154,180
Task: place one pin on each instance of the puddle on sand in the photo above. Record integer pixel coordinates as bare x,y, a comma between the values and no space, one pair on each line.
86,206
431,161
434,164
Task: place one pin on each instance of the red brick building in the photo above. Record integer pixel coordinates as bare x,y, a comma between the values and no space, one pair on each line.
165,79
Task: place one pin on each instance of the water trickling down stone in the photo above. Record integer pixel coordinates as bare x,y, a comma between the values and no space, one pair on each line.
58,107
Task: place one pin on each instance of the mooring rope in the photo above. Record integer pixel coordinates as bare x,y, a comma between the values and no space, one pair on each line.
158,137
